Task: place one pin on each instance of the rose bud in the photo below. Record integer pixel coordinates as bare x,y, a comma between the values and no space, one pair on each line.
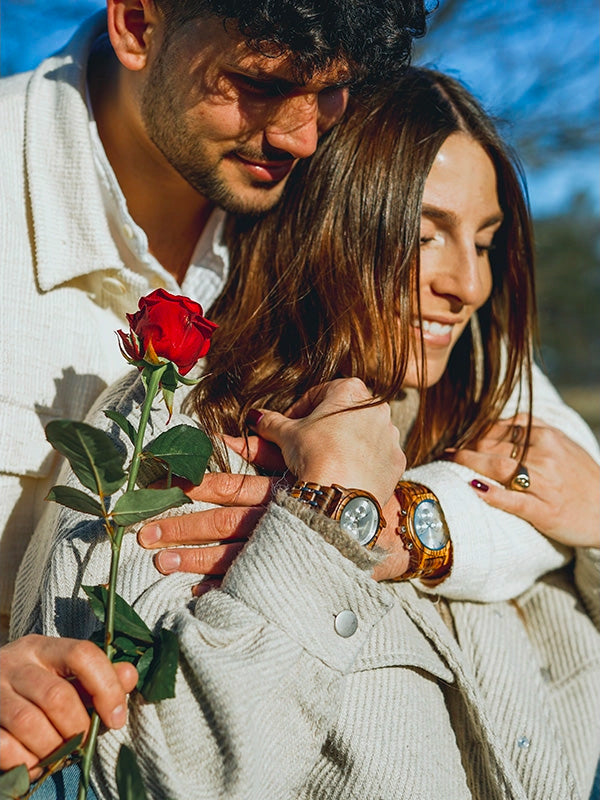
167,328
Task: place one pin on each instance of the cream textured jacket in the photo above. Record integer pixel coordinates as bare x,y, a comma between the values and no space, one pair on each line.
73,262
428,698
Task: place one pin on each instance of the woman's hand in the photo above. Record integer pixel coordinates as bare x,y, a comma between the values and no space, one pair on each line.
329,437
357,449
563,499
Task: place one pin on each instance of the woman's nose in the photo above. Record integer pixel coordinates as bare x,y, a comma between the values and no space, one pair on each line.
463,277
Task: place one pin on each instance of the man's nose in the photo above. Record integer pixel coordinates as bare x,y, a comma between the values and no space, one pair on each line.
295,130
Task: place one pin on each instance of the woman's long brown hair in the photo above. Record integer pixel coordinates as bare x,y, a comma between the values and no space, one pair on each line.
324,284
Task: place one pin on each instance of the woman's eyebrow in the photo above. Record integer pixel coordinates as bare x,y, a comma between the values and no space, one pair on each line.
439,214
450,218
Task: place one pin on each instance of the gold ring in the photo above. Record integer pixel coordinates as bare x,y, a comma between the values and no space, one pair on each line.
521,481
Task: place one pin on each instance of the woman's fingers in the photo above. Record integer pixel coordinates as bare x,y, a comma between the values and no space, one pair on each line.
499,468
257,451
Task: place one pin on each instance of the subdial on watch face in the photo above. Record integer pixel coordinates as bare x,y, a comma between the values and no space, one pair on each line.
430,525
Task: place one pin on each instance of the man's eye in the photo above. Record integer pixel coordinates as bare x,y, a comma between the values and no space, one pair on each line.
258,87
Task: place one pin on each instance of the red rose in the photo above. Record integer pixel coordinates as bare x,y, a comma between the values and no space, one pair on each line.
167,328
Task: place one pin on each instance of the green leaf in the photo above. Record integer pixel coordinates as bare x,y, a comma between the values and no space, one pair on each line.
15,782
127,622
151,469
75,498
92,454
143,503
127,646
143,665
65,749
129,778
185,449
160,680
123,423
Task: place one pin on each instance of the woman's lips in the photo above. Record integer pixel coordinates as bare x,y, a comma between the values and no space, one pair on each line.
435,333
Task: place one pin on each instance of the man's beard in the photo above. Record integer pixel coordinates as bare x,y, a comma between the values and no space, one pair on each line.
166,127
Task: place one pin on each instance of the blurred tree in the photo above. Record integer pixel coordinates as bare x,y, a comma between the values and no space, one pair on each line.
568,291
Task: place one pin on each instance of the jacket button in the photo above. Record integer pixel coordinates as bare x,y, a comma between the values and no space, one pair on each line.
345,623
114,285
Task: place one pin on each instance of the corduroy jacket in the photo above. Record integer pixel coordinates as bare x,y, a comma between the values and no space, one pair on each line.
430,697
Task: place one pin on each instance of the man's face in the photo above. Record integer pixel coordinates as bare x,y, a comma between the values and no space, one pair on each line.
233,122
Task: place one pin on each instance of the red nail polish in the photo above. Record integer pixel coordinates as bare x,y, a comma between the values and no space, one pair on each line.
253,417
479,485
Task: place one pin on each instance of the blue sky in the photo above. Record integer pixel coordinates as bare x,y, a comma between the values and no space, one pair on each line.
494,46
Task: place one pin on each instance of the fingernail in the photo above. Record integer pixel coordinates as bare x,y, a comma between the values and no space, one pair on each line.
118,717
253,417
168,561
202,588
479,485
149,535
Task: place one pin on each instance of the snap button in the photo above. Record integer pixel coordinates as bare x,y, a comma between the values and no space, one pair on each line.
345,623
114,285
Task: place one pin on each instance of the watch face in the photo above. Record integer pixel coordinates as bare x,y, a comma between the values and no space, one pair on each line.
360,518
430,525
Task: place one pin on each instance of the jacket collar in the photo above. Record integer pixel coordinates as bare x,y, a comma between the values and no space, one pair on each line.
70,229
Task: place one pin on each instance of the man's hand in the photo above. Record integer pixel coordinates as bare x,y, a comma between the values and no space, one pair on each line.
46,684
242,500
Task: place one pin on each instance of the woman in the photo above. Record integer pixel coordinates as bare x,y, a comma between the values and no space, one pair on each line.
304,677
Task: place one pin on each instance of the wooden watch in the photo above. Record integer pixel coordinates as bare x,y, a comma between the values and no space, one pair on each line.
357,511
424,532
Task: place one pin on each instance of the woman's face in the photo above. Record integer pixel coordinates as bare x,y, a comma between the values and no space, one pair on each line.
461,214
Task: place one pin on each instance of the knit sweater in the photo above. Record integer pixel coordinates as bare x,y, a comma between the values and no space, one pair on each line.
496,700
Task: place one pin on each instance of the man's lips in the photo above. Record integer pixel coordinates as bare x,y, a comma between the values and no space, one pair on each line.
265,171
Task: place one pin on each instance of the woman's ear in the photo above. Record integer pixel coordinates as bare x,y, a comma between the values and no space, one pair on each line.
131,26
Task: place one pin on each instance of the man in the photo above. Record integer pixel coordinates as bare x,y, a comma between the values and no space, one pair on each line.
118,156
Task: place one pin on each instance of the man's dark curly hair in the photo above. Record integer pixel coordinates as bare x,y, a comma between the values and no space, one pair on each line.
374,37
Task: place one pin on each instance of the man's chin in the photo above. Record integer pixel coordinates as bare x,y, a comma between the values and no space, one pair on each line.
253,202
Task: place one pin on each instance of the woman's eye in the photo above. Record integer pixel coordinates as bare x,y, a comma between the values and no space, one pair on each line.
484,248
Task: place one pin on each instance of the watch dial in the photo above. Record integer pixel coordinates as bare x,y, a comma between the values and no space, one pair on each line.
430,525
360,519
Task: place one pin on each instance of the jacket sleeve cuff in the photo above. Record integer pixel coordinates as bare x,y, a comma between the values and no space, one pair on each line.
301,582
